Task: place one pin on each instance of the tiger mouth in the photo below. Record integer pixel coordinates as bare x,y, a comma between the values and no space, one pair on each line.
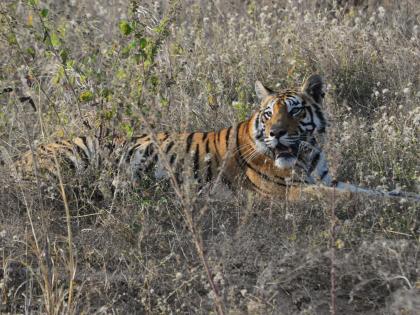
285,152
285,159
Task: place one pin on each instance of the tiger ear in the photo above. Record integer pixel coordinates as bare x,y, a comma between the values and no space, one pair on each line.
262,91
314,87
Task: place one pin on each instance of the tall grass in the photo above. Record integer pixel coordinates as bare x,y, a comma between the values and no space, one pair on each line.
129,66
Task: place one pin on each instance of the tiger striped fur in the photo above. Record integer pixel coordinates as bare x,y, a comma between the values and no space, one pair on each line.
273,152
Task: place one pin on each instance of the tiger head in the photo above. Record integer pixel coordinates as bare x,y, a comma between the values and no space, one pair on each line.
288,119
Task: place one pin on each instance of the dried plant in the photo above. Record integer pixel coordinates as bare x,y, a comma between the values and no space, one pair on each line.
85,67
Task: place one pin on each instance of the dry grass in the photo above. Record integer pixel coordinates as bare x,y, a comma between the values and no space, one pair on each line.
193,68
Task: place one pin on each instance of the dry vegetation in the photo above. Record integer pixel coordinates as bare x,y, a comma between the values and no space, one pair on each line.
191,66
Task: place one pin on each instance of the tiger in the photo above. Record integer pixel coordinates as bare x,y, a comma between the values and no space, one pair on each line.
275,152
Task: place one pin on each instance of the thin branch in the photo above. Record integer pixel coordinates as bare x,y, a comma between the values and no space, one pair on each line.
333,293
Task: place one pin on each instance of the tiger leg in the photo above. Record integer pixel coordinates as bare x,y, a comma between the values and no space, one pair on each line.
342,191
317,192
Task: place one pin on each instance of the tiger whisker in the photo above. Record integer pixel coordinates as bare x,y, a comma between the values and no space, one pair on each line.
237,149
250,150
250,157
249,154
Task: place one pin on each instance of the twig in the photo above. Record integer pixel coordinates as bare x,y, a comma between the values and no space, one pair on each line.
333,306
72,267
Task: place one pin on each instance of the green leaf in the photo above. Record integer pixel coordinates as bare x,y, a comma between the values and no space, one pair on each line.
83,79
164,102
125,27
31,51
143,43
108,114
44,13
86,96
64,55
59,75
162,27
70,63
147,63
11,39
132,44
128,129
55,40
106,93
33,2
